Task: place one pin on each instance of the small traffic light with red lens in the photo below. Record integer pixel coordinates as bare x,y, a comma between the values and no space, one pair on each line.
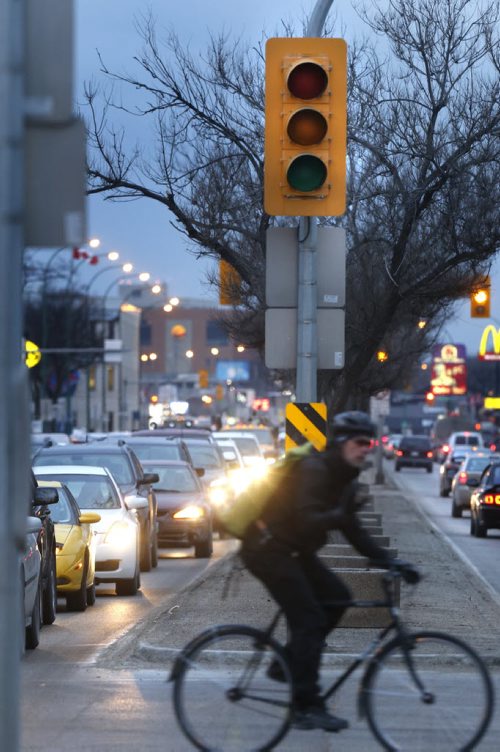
306,125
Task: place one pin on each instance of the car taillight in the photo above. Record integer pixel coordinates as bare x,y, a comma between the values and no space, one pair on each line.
462,478
399,453
446,448
429,454
493,447
385,439
492,499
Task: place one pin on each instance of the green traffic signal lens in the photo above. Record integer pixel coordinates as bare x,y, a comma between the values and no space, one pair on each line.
307,80
306,173
307,127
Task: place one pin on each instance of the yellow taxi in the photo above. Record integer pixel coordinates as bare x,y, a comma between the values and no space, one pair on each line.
75,548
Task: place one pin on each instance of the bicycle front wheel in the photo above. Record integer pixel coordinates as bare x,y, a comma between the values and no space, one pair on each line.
223,697
441,698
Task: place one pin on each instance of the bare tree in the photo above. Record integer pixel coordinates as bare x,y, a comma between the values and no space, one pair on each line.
423,170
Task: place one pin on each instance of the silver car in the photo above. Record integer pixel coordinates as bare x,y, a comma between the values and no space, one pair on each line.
30,565
467,478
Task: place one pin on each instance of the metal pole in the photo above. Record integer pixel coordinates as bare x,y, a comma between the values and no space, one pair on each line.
307,331
14,419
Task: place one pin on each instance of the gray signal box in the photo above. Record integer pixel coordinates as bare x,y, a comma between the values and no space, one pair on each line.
281,338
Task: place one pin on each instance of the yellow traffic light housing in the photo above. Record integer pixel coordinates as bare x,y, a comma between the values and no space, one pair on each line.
229,284
306,127
480,301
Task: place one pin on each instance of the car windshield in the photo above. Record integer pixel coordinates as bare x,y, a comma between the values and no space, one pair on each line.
204,455
117,464
156,451
415,442
263,435
62,512
176,479
248,446
477,464
92,491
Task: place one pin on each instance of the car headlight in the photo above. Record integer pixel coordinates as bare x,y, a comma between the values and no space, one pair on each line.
120,534
217,495
192,512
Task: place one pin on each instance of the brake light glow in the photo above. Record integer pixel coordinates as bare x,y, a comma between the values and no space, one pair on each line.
492,499
399,453
493,447
429,454
462,478
446,448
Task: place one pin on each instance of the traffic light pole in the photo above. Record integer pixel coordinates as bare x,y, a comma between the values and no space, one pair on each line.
14,425
307,328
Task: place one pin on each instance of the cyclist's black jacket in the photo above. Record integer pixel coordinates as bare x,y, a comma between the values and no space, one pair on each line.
318,496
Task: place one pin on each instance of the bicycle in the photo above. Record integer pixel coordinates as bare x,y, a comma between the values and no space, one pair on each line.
225,701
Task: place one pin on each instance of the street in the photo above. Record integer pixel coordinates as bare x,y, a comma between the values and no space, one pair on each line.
106,709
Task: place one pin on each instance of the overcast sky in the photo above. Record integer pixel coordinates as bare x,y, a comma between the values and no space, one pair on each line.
141,230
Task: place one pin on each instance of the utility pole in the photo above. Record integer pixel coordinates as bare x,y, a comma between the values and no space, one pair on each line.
14,419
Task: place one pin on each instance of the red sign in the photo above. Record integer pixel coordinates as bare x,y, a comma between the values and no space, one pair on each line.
261,403
449,370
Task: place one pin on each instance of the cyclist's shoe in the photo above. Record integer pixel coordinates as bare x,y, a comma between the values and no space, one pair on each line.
318,717
276,673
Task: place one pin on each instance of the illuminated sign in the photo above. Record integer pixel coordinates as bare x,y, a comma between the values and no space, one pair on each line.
33,355
449,370
492,403
484,353
261,403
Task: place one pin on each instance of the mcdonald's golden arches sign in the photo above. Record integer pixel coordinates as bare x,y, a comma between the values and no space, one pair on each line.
489,346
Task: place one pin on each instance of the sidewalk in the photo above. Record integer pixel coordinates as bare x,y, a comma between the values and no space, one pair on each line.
449,598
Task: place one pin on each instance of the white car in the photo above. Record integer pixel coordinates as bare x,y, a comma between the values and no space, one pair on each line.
470,441
248,445
30,584
117,549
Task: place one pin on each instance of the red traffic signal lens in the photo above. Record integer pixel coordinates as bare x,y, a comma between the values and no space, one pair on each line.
307,80
306,173
307,127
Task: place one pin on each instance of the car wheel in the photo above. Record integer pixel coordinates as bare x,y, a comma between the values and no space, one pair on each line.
472,525
49,599
33,631
481,529
91,595
455,511
429,468
78,601
204,549
154,552
129,587
397,468
145,562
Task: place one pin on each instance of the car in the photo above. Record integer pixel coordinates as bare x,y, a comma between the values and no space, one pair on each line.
264,435
179,432
75,548
42,498
470,440
159,448
414,451
467,478
184,512
391,445
231,454
485,502
31,596
449,468
248,445
125,467
117,557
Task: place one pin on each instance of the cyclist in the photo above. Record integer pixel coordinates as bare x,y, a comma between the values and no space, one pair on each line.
280,550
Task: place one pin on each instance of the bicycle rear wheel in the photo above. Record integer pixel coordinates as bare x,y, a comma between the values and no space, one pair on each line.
452,708
223,698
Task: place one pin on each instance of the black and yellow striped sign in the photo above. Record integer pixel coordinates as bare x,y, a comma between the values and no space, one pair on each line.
305,421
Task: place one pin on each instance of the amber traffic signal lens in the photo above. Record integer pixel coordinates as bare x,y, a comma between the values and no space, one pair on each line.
306,173
307,81
307,127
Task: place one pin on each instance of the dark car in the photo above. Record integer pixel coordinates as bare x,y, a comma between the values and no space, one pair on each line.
449,469
180,432
159,448
414,451
127,471
207,456
46,540
485,502
184,514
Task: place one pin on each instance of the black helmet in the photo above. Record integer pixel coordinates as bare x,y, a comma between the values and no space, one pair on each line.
348,425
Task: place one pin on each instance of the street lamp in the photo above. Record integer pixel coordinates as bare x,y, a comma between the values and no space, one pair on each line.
168,307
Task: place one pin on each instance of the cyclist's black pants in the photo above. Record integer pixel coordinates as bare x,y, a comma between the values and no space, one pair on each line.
304,588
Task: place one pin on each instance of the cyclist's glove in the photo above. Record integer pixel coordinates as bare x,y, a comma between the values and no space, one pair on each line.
409,572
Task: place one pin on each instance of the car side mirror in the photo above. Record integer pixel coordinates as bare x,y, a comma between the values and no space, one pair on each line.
149,478
88,518
200,471
44,496
473,482
137,502
33,525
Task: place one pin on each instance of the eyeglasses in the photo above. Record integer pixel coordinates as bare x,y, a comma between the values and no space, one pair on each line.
363,442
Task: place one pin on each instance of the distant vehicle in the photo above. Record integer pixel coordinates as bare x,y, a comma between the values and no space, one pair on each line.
118,532
263,434
184,513
391,445
485,502
249,447
449,469
414,451
39,439
442,429
467,478
76,547
231,454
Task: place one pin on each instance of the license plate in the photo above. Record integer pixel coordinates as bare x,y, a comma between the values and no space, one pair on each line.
414,454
